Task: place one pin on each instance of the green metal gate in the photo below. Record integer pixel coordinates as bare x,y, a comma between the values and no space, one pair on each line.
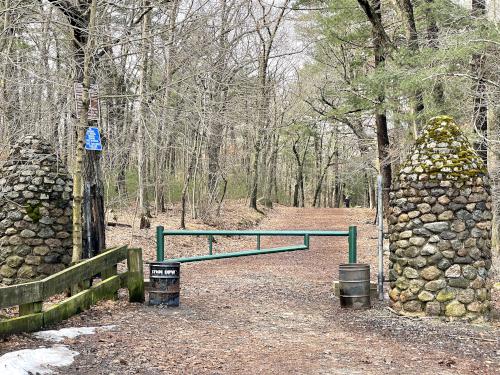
161,233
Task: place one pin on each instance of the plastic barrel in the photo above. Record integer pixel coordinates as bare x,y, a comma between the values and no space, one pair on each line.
354,285
165,283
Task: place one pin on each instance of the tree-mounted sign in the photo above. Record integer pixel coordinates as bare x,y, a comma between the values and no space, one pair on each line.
94,108
93,140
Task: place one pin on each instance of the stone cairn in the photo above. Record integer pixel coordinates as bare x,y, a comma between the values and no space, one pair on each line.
35,213
440,227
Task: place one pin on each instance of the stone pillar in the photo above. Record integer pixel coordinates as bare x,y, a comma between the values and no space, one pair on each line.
440,227
35,213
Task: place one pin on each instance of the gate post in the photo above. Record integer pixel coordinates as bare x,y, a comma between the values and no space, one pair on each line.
352,244
160,244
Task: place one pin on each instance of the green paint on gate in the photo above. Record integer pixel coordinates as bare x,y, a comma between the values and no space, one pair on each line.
161,233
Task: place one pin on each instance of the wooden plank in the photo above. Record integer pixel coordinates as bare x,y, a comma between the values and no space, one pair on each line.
106,289
69,307
109,272
30,308
21,294
135,280
26,323
60,281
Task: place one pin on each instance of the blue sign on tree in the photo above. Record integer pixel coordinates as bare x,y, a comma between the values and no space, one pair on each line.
93,140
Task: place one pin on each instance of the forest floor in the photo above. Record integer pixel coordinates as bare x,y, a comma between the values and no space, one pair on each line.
270,314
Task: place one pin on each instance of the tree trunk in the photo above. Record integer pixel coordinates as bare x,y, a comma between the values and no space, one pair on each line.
187,179
82,21
433,42
480,114
161,152
411,33
373,13
141,123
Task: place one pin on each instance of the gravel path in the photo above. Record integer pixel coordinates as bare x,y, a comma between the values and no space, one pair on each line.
275,314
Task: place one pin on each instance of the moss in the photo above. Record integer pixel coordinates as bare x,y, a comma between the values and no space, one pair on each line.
33,212
26,323
457,160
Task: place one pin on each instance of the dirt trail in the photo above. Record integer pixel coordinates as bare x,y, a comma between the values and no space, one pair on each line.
276,314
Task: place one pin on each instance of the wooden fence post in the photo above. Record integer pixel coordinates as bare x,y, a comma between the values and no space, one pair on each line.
135,279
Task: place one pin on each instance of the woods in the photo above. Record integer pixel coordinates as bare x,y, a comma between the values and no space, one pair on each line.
300,103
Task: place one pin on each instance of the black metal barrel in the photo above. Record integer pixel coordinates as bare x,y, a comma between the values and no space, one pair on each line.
165,283
354,285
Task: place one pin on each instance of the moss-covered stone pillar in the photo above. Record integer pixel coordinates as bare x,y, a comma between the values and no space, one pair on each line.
440,227
35,213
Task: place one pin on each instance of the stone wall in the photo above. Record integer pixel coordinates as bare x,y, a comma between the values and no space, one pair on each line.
35,213
440,227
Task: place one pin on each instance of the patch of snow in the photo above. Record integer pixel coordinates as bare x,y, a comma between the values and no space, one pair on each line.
36,361
71,333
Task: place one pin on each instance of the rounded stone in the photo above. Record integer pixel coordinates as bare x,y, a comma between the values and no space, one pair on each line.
26,272
410,273
446,215
415,285
437,209
459,282
402,283
430,273
448,235
405,235
412,306
444,200
411,252
417,241
477,283
482,294
475,306
453,271
52,258
15,240
437,226
53,242
425,296
407,295
445,295
14,261
10,231
413,214
403,218
457,226
424,208
435,285
469,272
417,262
394,294
22,250
33,260
26,233
428,218
455,309
41,250
46,233
7,271
49,269
433,308
428,249
465,296
402,244
435,259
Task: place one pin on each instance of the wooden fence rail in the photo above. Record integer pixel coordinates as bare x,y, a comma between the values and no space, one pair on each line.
30,296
